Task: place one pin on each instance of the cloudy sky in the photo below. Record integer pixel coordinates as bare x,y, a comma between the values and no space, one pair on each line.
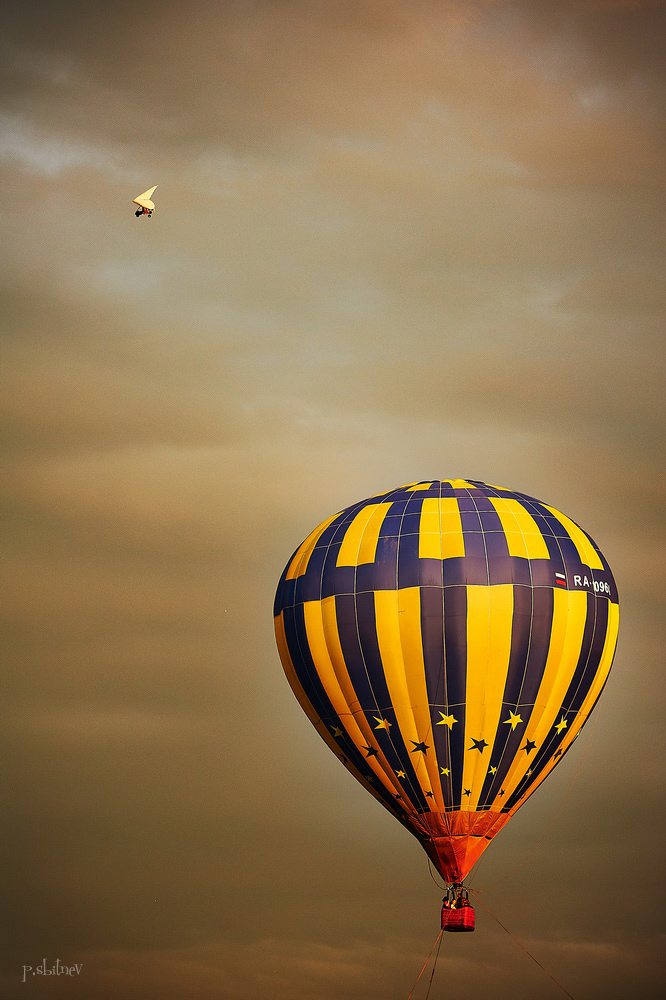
395,240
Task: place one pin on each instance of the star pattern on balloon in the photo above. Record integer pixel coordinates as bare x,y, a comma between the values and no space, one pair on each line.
337,732
446,720
400,774
382,723
513,720
562,724
444,770
467,792
479,745
492,770
371,752
423,747
530,745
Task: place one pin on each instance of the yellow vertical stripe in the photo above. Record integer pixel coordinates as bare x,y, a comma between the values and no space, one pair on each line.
315,719
292,676
587,552
521,530
566,637
398,625
299,563
440,529
322,635
601,676
411,640
328,642
489,619
359,544
331,667
605,662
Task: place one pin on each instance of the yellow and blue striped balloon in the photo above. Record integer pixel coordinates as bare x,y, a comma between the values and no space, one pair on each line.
448,640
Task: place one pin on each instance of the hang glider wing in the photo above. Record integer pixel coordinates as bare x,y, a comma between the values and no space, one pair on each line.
144,200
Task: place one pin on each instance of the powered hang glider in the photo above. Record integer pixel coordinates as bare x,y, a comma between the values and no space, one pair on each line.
448,640
145,203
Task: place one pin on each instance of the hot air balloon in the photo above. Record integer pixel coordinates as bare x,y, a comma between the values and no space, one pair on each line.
448,640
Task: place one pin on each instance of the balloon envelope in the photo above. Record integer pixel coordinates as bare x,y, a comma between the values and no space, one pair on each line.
448,640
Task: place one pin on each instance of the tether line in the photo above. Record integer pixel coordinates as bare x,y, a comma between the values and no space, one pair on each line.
521,945
437,943
434,964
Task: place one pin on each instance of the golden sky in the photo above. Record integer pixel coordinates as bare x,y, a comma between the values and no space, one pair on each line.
394,240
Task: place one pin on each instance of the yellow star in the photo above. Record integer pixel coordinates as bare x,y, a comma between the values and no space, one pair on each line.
444,770
562,724
336,731
493,770
529,772
400,774
383,723
447,720
513,720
